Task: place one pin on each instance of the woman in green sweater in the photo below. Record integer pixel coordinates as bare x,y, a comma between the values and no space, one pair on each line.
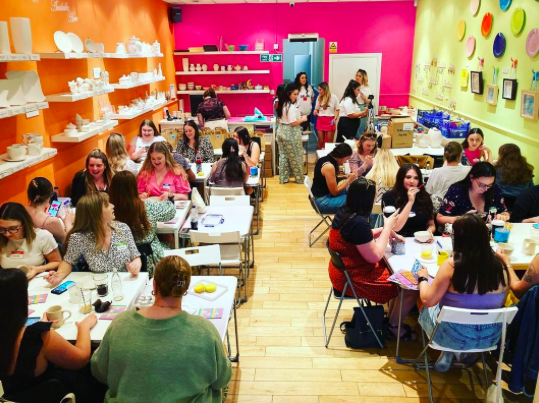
162,354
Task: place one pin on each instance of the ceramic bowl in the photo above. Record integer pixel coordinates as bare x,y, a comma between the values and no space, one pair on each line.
182,87
231,48
422,236
243,47
198,87
508,249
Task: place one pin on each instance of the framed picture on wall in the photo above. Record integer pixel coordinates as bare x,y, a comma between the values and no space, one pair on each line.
509,89
476,79
492,94
529,105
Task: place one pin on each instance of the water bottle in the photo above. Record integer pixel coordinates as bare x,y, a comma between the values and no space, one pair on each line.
55,193
116,285
198,162
194,218
427,170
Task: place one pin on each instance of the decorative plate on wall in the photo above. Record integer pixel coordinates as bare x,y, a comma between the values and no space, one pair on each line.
474,6
461,30
486,25
499,45
518,20
505,4
532,42
470,46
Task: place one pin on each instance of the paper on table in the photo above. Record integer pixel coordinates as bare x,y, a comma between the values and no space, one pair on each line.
37,299
210,313
112,312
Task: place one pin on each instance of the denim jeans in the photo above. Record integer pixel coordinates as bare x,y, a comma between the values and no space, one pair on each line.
330,204
458,336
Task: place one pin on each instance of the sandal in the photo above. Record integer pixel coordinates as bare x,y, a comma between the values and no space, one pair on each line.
409,334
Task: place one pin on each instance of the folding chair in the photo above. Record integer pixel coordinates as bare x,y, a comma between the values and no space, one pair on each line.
146,254
305,141
325,219
219,191
420,160
198,256
341,296
225,201
469,317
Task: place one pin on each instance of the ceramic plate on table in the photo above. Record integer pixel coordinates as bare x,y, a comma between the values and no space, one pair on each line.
518,20
532,42
76,43
474,6
210,296
10,160
90,46
461,30
189,307
499,45
505,4
470,46
486,25
62,41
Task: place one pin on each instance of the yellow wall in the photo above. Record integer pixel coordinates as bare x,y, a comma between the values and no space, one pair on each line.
436,35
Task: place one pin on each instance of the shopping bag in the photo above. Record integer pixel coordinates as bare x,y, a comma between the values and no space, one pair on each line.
358,333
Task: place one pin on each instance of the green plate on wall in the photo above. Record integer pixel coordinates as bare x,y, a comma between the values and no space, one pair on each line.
518,20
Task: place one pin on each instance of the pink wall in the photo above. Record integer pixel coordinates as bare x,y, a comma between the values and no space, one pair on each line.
385,27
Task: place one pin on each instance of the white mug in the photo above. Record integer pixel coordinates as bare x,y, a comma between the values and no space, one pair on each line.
16,151
528,246
346,168
56,312
35,149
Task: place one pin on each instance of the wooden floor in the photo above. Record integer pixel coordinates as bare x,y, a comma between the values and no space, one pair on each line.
283,358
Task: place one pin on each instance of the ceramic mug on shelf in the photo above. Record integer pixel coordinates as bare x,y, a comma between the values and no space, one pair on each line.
134,76
56,312
120,48
16,151
35,149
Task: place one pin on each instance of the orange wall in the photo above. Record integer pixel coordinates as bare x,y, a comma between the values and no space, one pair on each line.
105,22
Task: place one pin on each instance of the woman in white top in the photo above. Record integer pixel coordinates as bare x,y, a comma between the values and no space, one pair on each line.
363,99
289,136
21,244
305,97
452,172
148,134
117,154
327,110
350,112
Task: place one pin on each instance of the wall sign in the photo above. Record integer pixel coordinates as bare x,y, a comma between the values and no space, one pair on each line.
333,47
271,58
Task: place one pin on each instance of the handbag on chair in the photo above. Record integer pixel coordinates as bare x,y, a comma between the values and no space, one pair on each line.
358,334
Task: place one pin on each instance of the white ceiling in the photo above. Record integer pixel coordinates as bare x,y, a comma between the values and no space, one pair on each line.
263,1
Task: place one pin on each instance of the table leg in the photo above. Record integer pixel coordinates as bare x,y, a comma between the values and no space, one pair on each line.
257,208
237,357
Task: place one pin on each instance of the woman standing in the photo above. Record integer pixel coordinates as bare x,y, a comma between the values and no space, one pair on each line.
117,154
161,176
350,113
289,136
192,143
475,149
513,173
361,160
229,171
363,99
148,134
212,112
249,148
95,178
327,110
140,216
305,98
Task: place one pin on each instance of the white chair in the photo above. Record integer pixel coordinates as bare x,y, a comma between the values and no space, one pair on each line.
226,201
219,191
209,255
325,219
470,317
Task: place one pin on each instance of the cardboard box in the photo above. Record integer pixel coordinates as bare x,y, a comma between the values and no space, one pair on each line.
401,130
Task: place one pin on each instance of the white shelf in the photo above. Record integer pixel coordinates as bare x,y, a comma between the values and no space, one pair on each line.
69,97
235,52
19,110
118,86
18,58
125,116
62,138
159,105
210,73
201,92
72,55
9,168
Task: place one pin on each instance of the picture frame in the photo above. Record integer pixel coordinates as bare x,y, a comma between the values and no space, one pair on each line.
509,89
491,96
476,82
529,105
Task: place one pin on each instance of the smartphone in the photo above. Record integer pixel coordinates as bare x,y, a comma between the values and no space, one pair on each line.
536,226
63,287
53,209
31,321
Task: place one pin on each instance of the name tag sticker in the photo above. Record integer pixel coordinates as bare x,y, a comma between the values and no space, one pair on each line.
121,246
17,254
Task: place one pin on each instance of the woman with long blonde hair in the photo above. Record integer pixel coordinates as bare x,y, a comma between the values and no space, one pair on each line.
95,177
327,110
104,244
383,172
161,176
117,154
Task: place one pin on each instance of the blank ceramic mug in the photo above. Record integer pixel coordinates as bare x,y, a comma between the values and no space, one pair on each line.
528,246
55,312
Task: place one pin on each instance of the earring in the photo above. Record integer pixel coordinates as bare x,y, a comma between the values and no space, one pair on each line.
153,292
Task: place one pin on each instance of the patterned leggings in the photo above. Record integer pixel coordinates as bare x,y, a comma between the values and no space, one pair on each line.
290,153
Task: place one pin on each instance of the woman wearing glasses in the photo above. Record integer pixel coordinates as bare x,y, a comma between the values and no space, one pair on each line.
476,193
361,160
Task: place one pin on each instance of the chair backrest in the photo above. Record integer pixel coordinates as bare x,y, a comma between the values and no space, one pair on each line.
225,201
219,191
330,146
420,160
198,255
336,258
476,316
215,237
146,252
377,208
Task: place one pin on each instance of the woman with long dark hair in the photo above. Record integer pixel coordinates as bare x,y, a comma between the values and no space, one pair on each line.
513,173
192,143
249,148
229,171
350,113
305,97
95,177
409,195
212,112
475,149
26,351
327,110
476,193
363,98
474,278
147,135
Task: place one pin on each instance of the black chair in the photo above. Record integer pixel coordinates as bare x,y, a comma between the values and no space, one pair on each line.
509,202
146,253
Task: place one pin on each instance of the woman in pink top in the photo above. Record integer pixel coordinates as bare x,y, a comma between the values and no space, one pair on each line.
161,176
475,149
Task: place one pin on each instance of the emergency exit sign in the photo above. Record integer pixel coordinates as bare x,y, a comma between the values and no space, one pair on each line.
271,58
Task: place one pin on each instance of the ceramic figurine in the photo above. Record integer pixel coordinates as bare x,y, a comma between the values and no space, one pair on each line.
237,67
156,47
192,67
120,49
245,68
223,68
73,87
198,68
160,72
155,73
229,67
204,67
215,67
134,45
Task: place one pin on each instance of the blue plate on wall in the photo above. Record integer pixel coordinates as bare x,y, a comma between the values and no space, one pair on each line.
499,45
505,4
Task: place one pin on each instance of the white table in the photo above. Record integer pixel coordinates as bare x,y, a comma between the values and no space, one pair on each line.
132,286
203,179
174,226
437,152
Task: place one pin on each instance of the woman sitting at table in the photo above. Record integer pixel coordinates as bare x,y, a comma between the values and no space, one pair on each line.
520,286
104,244
95,178
410,196
476,193
140,216
383,172
475,149
361,160
21,244
352,237
147,135
513,173
229,171
161,177
212,112
350,113
473,278
133,345
249,148
40,193
329,194
192,143
28,354
117,154
180,159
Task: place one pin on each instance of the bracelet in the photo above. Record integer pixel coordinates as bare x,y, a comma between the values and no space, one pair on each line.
421,279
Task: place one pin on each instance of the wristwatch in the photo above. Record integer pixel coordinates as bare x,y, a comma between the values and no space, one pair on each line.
421,279
171,198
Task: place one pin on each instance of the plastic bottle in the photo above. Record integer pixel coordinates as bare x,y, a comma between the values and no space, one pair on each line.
116,285
427,169
194,218
198,161
56,193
